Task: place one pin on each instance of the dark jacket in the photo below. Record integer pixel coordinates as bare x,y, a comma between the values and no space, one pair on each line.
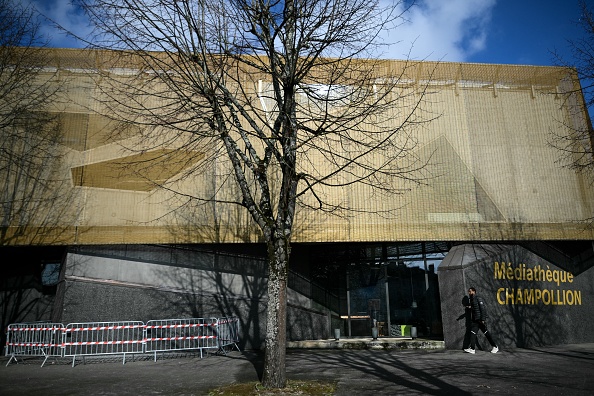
479,308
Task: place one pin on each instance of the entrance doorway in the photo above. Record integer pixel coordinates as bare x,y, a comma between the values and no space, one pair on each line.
394,288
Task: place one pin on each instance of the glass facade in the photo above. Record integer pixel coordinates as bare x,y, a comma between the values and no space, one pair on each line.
390,286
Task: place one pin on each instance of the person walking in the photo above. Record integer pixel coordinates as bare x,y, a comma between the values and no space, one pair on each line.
479,321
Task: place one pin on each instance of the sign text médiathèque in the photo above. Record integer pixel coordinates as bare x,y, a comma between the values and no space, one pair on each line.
530,296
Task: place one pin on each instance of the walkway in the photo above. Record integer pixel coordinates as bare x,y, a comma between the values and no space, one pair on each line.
560,370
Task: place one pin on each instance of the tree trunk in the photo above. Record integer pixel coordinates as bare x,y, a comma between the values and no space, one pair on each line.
275,374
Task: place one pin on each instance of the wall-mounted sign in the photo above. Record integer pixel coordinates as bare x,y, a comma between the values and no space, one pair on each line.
551,279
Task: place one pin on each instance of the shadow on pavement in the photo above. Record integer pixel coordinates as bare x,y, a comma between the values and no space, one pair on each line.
374,370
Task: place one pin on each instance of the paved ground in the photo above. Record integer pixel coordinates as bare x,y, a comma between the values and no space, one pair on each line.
561,370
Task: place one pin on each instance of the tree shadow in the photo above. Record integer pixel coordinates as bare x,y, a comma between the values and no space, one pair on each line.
218,283
567,353
232,281
376,368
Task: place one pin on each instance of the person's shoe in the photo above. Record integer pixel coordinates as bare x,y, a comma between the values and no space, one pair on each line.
469,350
494,350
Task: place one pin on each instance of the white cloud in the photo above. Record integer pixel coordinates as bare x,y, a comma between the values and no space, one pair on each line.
448,30
64,14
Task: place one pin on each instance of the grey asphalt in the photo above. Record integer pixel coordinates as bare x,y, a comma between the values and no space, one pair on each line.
556,370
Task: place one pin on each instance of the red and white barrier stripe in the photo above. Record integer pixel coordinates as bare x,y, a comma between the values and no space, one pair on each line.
65,344
102,328
180,338
30,344
34,328
177,326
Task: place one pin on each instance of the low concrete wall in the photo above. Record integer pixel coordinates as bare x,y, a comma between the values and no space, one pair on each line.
531,301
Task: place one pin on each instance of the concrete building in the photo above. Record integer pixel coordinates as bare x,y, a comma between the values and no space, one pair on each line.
498,213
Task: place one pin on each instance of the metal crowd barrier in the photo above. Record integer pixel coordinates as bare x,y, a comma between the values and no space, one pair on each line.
180,335
120,338
103,338
227,332
34,339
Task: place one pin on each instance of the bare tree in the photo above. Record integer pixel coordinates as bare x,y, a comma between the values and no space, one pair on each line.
576,145
286,99
32,197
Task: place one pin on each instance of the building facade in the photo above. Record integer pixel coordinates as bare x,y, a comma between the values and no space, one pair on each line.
497,205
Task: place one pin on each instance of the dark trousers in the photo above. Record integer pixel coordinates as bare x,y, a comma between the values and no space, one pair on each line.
474,329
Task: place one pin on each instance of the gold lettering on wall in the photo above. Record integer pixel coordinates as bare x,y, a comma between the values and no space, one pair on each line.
535,296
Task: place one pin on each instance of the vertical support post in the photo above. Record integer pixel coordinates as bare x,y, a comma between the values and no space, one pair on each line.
425,265
388,321
348,304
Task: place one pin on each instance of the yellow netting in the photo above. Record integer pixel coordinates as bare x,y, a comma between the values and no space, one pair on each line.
493,174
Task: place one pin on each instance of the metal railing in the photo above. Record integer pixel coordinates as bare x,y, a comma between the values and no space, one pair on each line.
34,339
120,338
180,335
227,332
103,338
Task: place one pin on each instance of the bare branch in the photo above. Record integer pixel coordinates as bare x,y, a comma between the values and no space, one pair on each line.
285,98
575,137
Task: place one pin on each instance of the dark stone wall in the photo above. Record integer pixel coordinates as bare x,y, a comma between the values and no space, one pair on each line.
88,301
524,310
148,283
305,324
23,305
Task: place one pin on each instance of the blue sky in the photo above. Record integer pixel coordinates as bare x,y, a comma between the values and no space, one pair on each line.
484,31
525,31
